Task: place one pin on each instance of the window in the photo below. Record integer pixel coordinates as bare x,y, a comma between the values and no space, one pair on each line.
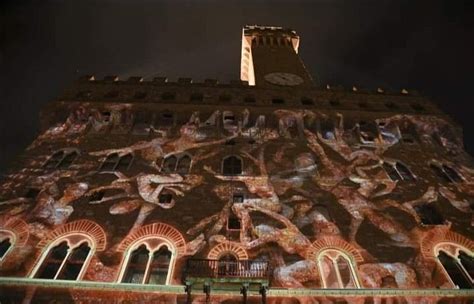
196,97
140,95
124,162
110,162
84,94
452,174
5,245
334,102
64,260
168,96
232,165
165,119
417,107
307,101
230,142
106,116
249,99
429,215
404,172
228,117
115,162
398,171
111,94
32,193
169,164
96,197
460,268
323,210
149,262
408,133
446,173
165,198
225,98
184,164
363,105
142,123
278,101
326,129
6,242
61,159
177,164
233,222
367,131
237,198
391,105
336,270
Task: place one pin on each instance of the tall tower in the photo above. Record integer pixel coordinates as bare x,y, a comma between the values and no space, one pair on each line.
270,58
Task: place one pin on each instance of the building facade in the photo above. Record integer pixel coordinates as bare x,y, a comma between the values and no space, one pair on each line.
269,189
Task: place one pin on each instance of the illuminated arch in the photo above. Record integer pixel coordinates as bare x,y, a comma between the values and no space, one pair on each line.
337,269
449,249
19,228
224,248
84,227
334,242
60,258
441,235
161,230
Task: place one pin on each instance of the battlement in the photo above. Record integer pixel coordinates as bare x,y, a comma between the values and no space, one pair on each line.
269,30
211,82
210,92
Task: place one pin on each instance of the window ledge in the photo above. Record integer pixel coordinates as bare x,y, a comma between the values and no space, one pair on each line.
275,292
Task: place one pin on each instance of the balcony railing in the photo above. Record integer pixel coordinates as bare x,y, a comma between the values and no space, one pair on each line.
245,269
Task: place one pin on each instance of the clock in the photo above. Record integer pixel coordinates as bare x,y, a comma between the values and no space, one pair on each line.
284,79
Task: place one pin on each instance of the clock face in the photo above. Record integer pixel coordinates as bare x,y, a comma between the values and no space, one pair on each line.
284,79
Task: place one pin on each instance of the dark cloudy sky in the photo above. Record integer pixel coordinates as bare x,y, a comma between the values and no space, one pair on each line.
45,45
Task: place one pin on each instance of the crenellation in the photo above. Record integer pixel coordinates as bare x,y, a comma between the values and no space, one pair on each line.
185,80
111,78
135,79
211,82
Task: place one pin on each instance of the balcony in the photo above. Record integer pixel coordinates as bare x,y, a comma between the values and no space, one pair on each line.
227,271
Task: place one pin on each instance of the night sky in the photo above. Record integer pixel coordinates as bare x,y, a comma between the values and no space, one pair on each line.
45,45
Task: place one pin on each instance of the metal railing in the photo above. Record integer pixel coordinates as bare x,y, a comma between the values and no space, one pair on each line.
203,268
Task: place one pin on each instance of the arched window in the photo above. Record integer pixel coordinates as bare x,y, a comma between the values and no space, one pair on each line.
165,118
232,165
327,129
459,267
446,173
233,222
398,171
428,214
7,240
61,159
149,262
452,174
404,172
65,259
177,164
54,160
124,162
367,131
169,164
336,270
110,162
183,165
323,210
114,162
